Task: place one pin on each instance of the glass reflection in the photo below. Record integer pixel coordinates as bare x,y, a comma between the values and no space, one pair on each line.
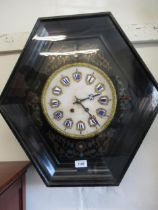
69,53
49,38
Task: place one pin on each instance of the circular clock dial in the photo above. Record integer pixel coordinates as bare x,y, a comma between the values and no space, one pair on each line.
79,100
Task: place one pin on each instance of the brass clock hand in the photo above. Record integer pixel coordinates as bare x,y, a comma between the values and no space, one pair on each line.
91,116
90,97
85,108
78,101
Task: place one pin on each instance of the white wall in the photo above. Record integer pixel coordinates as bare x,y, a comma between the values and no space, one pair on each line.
139,188
9,147
20,15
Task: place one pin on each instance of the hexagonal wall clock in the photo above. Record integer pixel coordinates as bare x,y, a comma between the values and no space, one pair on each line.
80,100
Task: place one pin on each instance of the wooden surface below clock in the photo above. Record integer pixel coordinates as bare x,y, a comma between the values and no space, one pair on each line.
12,185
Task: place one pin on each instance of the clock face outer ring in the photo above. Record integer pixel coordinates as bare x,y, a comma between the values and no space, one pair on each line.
113,109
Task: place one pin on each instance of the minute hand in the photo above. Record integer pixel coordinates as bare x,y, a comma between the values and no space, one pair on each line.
90,115
90,97
87,110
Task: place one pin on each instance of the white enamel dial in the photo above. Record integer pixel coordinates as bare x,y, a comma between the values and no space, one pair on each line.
79,100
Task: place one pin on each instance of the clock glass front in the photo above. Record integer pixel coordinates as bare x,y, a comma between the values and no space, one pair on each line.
79,100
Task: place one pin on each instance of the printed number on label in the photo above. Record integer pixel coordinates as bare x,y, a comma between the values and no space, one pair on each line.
80,163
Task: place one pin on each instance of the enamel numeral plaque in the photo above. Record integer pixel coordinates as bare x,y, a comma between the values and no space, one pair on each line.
80,100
